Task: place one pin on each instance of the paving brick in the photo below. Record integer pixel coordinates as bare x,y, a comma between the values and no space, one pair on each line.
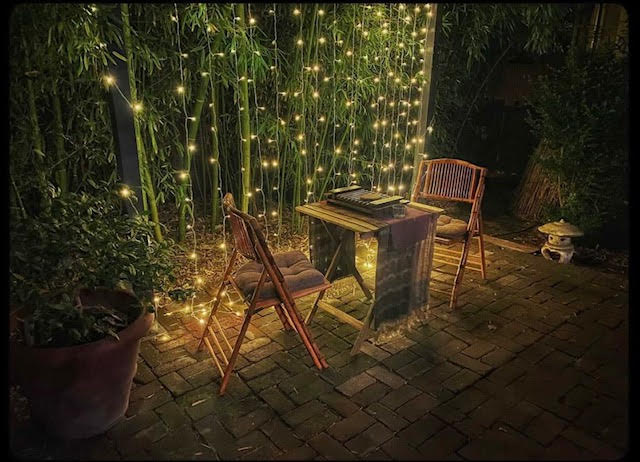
143,374
399,396
497,357
478,349
280,434
400,359
128,426
535,353
387,377
468,400
369,439
544,428
452,348
417,407
448,413
262,352
256,445
151,402
489,411
240,426
350,426
175,383
339,403
520,415
304,412
316,424
421,429
257,369
271,378
180,443
415,368
502,445
277,400
398,449
300,453
387,417
461,380
433,379
371,394
442,444
217,437
330,448
172,415
593,445
355,384
375,352
248,346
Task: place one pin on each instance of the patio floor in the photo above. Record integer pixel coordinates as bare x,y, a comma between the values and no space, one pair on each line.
532,364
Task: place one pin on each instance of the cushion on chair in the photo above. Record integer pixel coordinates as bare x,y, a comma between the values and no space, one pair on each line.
298,272
451,228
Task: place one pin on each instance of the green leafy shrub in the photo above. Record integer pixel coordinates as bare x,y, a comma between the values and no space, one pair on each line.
82,242
580,111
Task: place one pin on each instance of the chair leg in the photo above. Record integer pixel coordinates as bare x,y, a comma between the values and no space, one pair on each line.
460,272
305,335
314,308
236,351
283,318
212,314
218,300
483,263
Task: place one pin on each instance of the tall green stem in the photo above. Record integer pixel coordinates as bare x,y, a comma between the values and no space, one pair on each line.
215,157
36,138
192,133
145,173
61,172
245,125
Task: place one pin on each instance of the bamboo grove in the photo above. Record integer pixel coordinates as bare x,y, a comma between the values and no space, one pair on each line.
275,103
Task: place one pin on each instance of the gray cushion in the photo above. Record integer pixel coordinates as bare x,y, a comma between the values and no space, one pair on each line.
451,228
298,272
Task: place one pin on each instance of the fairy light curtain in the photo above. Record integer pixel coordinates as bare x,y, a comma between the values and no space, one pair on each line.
333,96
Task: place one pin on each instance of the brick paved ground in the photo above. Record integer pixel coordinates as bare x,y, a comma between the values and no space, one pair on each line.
533,364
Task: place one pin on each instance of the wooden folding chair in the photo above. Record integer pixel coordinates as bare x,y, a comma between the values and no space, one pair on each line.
264,281
457,181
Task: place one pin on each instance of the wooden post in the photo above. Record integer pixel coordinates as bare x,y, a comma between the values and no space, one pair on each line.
123,132
428,93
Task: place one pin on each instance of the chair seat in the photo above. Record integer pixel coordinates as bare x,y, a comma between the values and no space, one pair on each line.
299,275
450,228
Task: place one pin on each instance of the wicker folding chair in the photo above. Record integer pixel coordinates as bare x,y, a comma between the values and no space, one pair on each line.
458,181
264,281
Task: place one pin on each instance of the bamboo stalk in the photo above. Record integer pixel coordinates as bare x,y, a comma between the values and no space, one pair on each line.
245,125
61,172
215,155
36,137
145,174
192,132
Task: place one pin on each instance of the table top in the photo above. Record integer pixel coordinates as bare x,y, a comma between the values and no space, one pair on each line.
350,219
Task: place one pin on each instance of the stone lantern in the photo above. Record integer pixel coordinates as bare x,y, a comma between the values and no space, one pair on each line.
559,240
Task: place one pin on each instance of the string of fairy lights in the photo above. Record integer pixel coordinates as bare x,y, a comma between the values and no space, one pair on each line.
322,73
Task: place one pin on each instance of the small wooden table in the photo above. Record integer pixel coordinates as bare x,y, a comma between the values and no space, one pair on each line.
333,228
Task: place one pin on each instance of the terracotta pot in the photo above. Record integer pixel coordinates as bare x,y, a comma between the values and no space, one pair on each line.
80,391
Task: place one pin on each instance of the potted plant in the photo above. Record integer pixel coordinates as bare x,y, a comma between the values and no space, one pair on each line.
82,279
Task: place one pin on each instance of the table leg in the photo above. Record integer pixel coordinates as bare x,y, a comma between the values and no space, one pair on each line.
365,332
328,275
351,267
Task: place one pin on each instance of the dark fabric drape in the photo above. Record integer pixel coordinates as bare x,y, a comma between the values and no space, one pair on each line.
402,273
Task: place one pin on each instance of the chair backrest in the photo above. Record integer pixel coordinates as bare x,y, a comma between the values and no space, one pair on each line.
248,238
449,179
239,229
